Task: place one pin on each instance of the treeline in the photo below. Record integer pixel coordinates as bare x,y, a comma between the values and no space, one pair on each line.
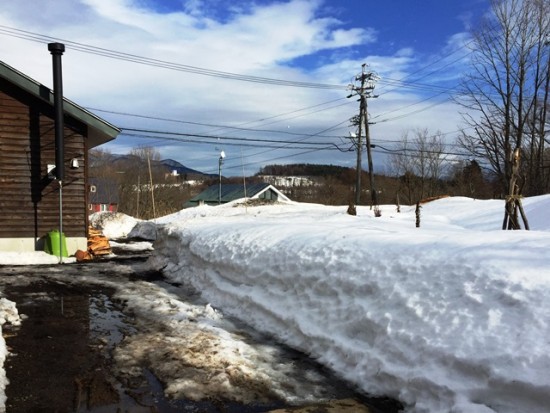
411,181
335,185
146,187
303,169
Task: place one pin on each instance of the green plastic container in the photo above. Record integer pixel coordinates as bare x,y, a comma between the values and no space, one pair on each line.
52,244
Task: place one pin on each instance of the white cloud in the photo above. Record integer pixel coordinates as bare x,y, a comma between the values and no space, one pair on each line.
256,40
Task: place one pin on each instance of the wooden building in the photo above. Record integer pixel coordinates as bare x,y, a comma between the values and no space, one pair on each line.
29,194
103,195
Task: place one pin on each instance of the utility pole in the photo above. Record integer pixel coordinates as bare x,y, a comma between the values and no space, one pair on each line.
363,88
356,138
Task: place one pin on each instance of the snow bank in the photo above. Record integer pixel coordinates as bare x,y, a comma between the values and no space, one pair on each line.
31,258
114,225
452,316
8,314
144,230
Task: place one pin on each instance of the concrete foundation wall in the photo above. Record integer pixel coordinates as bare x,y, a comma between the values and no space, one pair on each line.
31,244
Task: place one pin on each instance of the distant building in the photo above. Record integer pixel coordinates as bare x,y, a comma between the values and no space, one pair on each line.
288,181
232,192
103,196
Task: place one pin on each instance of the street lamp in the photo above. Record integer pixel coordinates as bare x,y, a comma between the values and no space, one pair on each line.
220,162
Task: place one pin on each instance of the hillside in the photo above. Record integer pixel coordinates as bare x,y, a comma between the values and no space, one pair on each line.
183,170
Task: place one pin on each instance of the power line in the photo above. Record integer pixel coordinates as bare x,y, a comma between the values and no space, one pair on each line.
154,133
294,112
113,54
306,150
402,83
222,127
30,36
206,139
26,35
404,115
274,159
405,151
431,136
190,139
289,147
377,148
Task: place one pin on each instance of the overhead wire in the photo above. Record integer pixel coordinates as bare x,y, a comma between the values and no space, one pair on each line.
223,127
82,47
240,165
10,31
149,132
402,83
188,138
23,34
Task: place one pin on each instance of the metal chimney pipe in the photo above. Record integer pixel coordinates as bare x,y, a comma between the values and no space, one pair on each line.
57,49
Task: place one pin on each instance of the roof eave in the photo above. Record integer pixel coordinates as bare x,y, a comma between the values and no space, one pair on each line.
100,131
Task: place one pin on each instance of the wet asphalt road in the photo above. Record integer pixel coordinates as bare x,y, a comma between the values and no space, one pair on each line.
62,356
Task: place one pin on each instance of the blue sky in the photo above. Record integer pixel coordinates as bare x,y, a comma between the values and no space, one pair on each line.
418,48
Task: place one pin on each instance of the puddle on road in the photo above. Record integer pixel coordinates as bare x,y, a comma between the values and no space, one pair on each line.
107,323
61,358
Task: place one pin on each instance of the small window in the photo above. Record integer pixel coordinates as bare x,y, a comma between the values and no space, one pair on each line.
93,188
104,208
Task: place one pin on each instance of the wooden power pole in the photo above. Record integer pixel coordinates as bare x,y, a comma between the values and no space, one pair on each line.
363,88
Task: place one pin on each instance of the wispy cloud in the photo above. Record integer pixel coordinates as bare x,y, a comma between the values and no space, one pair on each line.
247,38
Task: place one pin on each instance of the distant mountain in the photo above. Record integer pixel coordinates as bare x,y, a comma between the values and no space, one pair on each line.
166,166
173,165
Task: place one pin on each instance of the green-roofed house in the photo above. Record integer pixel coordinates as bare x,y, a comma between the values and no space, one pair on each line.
232,192
29,196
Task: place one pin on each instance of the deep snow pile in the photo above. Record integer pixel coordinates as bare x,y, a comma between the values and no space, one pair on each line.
31,258
125,232
114,225
452,316
8,314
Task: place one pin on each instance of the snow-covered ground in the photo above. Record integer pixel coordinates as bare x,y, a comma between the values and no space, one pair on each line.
8,314
449,317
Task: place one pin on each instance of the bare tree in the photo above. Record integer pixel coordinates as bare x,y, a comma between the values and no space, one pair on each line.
138,182
420,163
100,161
130,177
506,93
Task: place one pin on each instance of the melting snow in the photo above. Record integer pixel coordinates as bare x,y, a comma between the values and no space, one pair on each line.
452,316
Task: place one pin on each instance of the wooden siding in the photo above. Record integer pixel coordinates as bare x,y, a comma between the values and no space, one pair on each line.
29,199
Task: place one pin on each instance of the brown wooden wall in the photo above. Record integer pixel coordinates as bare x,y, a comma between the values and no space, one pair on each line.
29,199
